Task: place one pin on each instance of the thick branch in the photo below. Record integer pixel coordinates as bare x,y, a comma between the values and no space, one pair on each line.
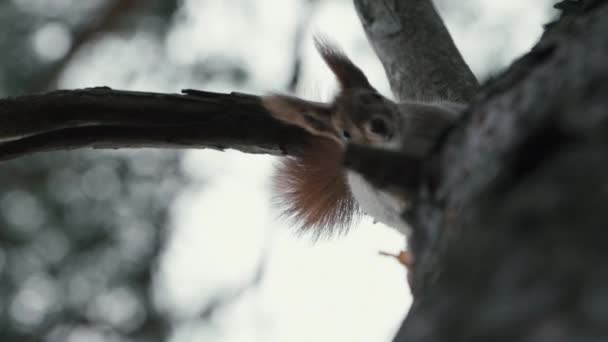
106,118
417,51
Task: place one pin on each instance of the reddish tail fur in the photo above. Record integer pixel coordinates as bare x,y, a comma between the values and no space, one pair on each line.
312,188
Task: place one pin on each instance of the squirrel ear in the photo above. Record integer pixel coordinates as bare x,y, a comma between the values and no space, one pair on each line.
314,117
347,73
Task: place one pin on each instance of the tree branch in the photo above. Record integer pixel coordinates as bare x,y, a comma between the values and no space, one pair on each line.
107,118
416,50
305,16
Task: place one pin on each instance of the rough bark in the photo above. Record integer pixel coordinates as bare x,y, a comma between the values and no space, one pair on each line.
514,202
106,118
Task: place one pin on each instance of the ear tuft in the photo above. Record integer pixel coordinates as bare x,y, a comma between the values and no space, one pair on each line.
347,73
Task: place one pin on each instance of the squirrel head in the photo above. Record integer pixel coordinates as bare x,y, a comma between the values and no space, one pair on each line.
358,113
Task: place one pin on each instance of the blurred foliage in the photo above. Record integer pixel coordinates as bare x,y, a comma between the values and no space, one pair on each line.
80,234
39,35
80,231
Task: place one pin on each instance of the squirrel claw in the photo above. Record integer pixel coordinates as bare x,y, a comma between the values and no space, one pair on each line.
404,258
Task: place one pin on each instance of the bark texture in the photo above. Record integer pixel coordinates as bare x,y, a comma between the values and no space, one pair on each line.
106,118
513,207
416,50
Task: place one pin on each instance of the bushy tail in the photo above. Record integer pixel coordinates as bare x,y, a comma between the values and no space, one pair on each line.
312,189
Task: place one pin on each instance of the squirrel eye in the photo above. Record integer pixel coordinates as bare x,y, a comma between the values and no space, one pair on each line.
378,126
346,135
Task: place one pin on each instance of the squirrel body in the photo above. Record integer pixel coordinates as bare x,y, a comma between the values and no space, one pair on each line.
313,185
382,206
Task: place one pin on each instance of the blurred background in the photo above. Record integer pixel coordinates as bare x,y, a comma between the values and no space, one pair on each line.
162,245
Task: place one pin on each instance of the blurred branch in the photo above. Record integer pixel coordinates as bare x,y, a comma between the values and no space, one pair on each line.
107,20
298,40
416,50
233,295
107,118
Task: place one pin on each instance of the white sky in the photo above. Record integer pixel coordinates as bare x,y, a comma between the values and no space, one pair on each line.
224,226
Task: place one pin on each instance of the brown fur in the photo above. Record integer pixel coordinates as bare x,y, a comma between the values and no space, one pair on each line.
311,187
347,73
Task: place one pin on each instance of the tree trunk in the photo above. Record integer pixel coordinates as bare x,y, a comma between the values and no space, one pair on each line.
518,218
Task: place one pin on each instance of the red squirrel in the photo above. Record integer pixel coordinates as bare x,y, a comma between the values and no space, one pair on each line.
313,185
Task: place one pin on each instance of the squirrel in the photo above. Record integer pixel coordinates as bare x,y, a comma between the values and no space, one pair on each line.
314,186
